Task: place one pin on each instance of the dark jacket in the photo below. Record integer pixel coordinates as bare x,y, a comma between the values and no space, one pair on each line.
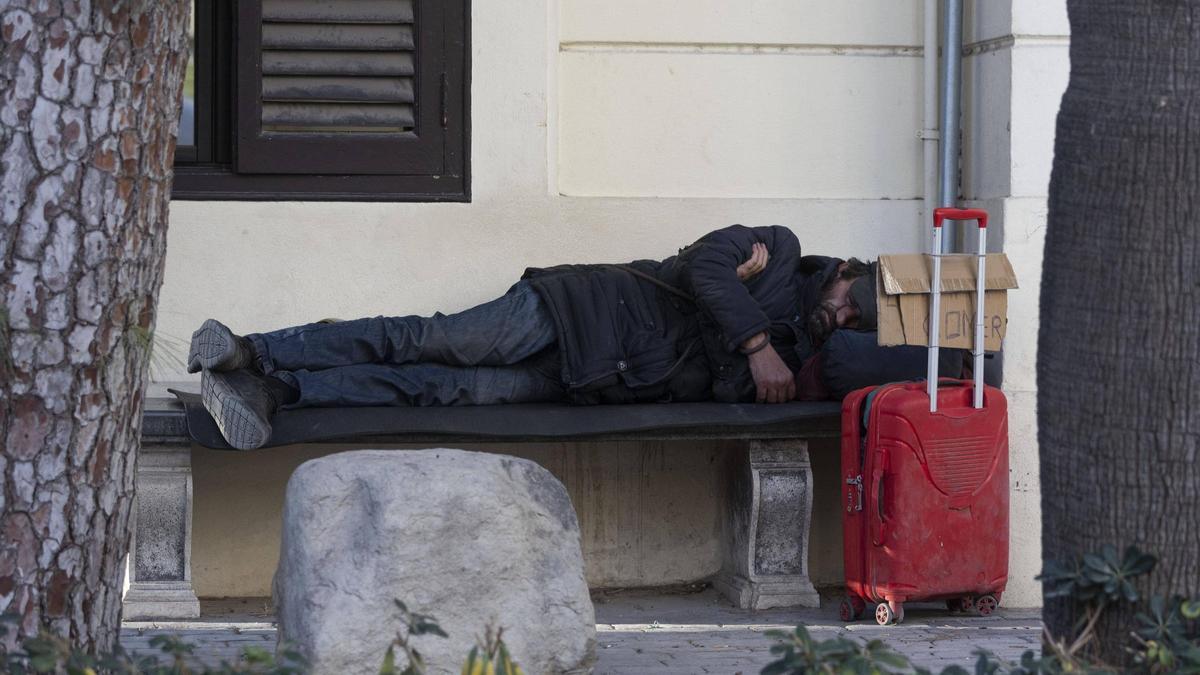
626,338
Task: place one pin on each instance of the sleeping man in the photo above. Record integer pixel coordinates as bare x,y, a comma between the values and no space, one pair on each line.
737,317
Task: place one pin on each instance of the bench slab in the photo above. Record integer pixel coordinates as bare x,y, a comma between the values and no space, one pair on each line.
521,422
765,550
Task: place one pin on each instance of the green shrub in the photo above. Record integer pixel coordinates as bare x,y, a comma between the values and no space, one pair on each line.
49,653
798,653
489,657
1166,638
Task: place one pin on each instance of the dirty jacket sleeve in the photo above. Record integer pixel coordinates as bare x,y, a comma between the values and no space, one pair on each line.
709,268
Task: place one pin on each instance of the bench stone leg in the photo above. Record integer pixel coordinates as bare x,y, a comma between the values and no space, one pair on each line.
766,529
160,566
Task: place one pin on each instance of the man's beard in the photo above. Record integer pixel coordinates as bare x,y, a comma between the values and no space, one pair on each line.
820,324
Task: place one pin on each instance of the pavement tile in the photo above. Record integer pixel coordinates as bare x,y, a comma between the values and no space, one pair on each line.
654,633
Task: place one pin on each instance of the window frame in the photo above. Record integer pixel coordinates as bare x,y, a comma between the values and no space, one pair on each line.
208,173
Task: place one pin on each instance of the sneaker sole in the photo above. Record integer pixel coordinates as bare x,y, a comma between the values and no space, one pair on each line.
213,348
242,427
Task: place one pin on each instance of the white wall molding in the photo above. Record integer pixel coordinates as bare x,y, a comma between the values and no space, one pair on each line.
741,48
1011,41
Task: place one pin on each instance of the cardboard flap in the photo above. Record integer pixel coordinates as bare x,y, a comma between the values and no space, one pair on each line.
902,291
910,273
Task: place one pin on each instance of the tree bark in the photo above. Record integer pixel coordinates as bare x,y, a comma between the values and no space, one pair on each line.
1119,345
89,106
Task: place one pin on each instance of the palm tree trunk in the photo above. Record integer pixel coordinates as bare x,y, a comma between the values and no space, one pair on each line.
89,105
1119,345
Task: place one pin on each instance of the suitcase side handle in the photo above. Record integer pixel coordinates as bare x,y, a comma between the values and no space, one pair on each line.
877,476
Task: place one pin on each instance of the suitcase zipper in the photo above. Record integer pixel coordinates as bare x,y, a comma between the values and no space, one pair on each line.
869,421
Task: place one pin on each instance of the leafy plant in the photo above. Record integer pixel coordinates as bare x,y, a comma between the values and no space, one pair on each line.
1030,664
1165,640
800,653
412,625
165,351
1094,581
50,653
1102,577
1168,636
490,656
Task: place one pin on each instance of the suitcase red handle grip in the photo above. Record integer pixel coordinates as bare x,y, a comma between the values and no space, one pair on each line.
940,215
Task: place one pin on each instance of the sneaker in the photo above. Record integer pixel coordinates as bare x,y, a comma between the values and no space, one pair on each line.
215,347
241,404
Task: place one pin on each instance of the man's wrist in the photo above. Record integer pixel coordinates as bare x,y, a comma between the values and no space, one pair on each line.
755,344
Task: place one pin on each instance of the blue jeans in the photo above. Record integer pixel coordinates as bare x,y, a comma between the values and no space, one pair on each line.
499,352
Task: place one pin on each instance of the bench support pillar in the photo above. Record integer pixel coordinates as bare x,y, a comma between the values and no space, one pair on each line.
160,554
766,530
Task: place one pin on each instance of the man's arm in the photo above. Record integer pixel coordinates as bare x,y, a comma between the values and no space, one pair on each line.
715,269
773,380
710,270
756,263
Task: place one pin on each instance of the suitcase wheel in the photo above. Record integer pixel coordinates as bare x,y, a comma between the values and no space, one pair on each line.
986,604
852,608
963,604
890,612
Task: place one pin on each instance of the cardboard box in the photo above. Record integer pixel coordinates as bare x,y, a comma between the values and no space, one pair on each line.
903,295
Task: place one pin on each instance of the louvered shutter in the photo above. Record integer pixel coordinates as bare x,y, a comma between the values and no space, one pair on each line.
340,87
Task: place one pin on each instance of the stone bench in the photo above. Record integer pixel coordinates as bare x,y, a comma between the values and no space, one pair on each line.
765,533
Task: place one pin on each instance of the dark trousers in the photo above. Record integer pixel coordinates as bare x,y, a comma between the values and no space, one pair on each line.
502,351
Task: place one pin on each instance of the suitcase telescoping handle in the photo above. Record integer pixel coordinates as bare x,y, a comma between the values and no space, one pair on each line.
935,309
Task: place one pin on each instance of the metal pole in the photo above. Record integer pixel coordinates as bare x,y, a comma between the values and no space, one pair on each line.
981,288
929,132
935,313
951,111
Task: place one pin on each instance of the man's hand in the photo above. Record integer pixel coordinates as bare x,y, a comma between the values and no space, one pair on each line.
773,380
756,263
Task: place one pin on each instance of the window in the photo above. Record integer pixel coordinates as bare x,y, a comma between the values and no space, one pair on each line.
326,99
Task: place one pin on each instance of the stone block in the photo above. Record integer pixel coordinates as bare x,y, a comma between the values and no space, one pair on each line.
470,538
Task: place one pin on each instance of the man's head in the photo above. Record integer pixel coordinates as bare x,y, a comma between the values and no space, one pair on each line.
847,301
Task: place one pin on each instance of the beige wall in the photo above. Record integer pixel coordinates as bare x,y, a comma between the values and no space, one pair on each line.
769,98
605,130
649,513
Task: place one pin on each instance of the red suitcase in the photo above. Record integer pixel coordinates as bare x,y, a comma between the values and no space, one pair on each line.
925,484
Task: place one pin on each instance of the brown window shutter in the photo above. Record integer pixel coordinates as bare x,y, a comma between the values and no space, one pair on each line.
340,87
